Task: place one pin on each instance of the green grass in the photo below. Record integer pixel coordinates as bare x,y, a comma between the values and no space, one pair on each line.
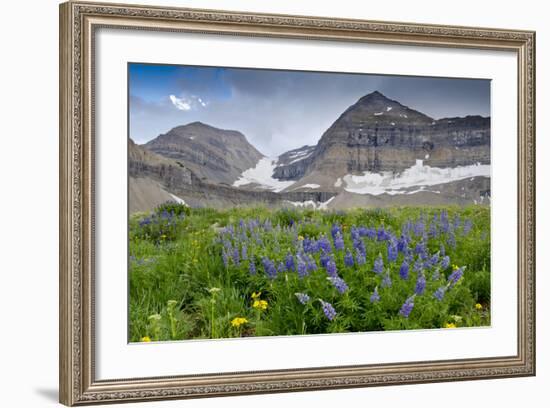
181,289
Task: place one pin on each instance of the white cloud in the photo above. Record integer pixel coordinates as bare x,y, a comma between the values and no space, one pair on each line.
186,104
181,103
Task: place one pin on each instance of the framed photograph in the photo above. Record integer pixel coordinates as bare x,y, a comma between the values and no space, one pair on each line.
256,203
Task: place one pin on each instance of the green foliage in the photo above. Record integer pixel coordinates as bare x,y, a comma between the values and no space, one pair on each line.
172,207
180,287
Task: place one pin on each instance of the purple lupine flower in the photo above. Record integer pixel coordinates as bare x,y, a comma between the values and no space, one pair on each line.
436,274
442,250
375,297
392,250
227,245
324,259
440,293
445,262
331,268
418,265
432,230
335,230
467,226
311,264
404,270
359,245
359,258
348,259
324,244
236,256
339,242
328,310
354,233
420,249
225,258
307,244
455,276
289,262
144,222
252,267
407,307
445,221
434,259
302,269
451,241
382,234
419,228
386,281
363,231
402,244
378,265
420,284
339,283
281,267
457,222
370,233
406,228
244,252
302,298
269,268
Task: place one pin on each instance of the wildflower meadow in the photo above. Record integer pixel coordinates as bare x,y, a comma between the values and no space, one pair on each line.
201,273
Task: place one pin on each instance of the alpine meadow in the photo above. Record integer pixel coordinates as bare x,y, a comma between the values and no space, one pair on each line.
329,207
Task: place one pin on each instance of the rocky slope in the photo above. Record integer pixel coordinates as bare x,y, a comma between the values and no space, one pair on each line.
378,134
154,179
216,155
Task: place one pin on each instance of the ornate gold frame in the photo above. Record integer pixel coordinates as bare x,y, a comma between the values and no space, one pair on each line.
78,22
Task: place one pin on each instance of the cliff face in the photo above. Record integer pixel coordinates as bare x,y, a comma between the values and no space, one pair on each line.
216,155
378,134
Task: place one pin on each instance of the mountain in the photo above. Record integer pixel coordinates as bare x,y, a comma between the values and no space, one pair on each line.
377,153
217,155
377,134
155,179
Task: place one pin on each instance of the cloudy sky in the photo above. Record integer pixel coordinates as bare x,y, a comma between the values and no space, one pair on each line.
280,110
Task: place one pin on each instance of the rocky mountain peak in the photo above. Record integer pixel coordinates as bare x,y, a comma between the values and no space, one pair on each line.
215,154
378,134
377,108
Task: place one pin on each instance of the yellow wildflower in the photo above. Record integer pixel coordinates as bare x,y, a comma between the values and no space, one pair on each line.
450,326
259,304
478,306
300,238
238,321
455,267
146,339
256,295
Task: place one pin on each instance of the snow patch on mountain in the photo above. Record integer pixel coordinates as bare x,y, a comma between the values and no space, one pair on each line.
416,176
262,175
312,204
310,185
177,199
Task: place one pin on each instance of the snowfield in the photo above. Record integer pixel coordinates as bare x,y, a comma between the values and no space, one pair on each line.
262,175
311,204
416,176
310,185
